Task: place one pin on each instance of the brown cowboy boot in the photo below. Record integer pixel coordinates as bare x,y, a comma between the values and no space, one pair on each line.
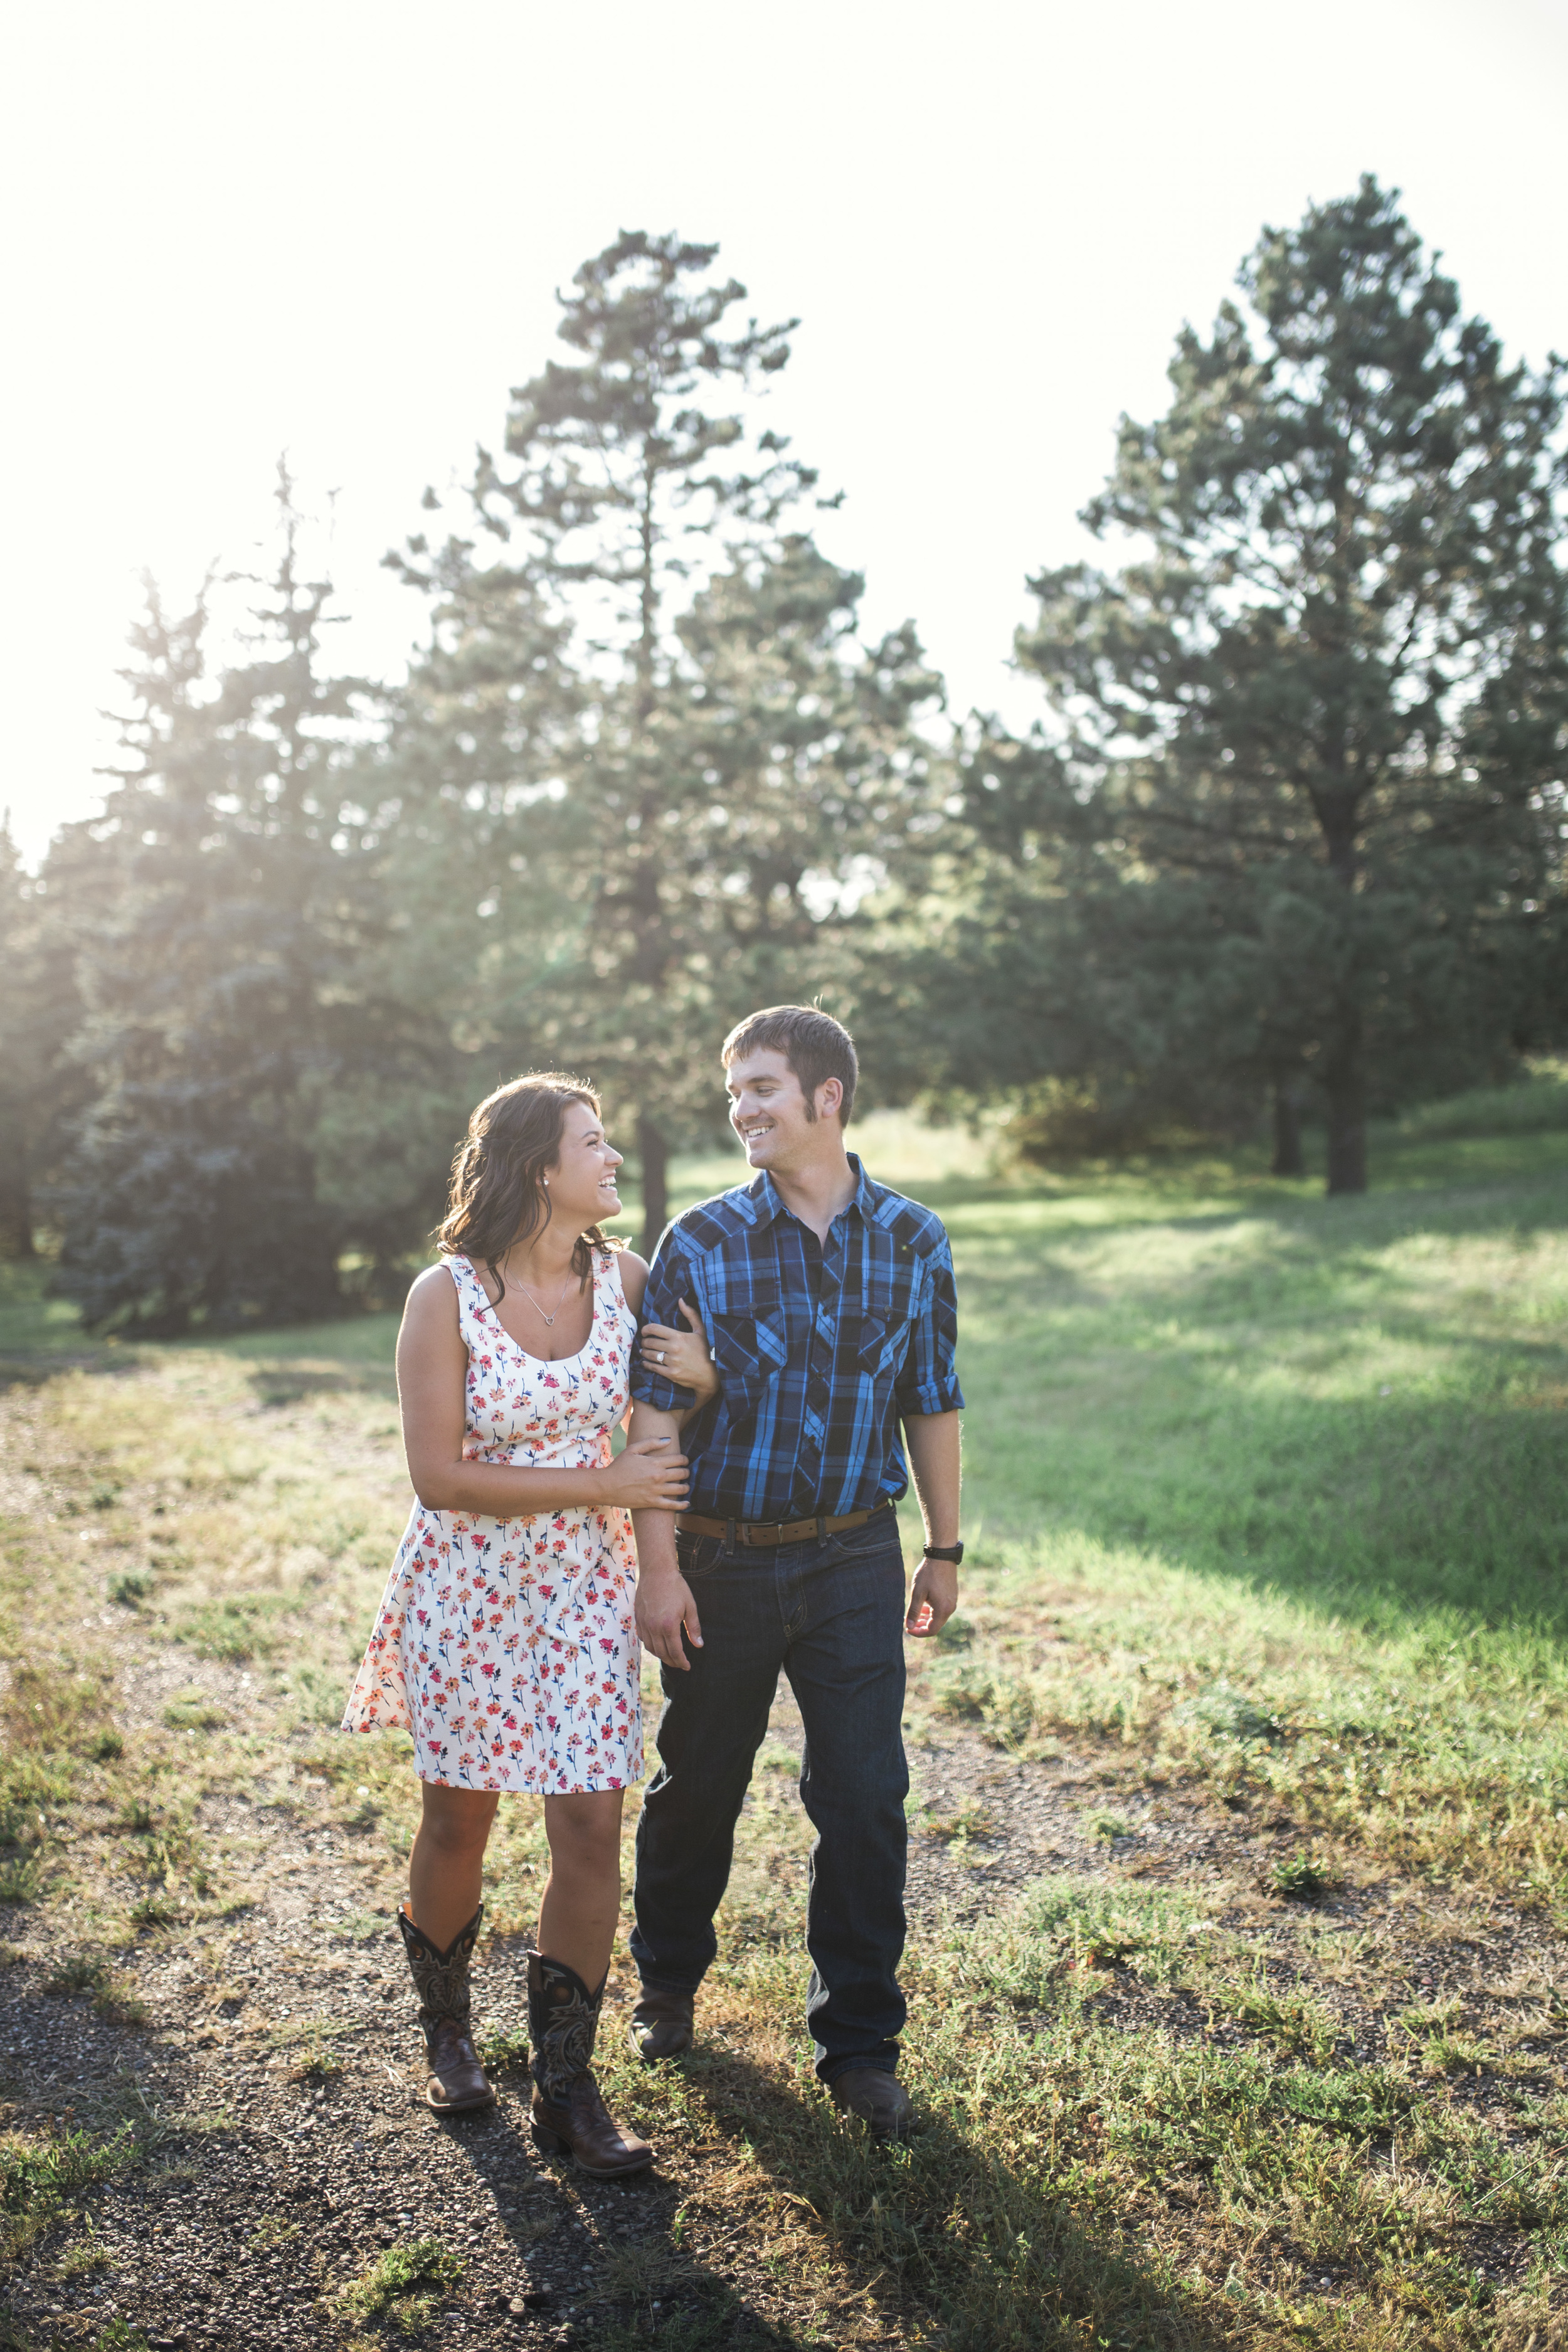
457,2081
878,2098
566,2113
662,2023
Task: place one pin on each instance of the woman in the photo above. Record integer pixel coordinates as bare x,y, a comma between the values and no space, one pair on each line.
505,1641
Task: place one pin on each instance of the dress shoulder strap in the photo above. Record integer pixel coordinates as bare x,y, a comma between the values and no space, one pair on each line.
473,1300
609,1291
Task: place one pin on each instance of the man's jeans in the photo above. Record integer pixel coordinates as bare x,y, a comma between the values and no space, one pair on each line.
831,1614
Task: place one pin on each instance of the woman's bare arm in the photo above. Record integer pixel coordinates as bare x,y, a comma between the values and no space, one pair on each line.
432,1372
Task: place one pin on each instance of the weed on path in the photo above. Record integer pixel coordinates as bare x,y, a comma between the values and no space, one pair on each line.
1237,1998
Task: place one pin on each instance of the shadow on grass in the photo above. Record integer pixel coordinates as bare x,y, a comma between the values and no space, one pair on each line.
42,1337
288,1380
646,2291
1308,1416
31,1370
1452,1185
941,2229
1389,1517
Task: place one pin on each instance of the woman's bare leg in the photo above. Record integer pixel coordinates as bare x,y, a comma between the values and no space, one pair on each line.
582,1898
446,1868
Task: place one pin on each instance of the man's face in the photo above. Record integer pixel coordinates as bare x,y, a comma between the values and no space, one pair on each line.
768,1110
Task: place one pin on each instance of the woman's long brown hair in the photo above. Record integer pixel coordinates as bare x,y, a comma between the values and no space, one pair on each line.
498,1196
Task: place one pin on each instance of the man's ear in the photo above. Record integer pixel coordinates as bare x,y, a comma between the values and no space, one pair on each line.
829,1098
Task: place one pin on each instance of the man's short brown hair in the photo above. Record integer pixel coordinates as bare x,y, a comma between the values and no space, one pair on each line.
815,1046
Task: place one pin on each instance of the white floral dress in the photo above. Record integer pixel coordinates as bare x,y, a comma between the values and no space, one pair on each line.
507,1646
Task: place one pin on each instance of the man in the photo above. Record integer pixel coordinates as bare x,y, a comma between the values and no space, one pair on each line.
828,1301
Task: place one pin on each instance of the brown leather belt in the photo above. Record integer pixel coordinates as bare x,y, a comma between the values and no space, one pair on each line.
777,1531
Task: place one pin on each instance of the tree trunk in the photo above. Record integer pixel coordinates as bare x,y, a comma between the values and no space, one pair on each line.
1288,1160
16,1193
1345,1088
1345,1078
654,1153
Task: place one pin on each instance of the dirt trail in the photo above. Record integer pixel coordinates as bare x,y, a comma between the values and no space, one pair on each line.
295,2148
273,2080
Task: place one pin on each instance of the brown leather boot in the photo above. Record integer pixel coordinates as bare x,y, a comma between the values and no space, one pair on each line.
566,2115
876,2097
457,2081
662,2023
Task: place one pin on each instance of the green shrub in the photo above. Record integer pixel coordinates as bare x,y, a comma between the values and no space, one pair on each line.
1535,1103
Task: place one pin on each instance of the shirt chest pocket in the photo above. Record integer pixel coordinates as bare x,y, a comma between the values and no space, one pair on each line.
884,1328
750,1347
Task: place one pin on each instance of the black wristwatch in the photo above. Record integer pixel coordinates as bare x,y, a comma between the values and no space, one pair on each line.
954,1552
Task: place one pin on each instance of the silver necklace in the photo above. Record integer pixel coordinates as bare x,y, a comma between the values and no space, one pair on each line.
534,1302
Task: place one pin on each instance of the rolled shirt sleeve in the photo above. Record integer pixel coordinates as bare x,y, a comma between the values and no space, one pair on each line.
928,1378
668,1282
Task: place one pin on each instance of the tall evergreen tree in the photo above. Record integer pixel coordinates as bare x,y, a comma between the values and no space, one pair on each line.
1313,737
645,746
454,814
40,1009
16,1202
213,942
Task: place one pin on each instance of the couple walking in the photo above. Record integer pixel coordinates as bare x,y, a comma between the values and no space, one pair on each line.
783,1336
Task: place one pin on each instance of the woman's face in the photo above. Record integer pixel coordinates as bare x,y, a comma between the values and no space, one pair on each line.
582,1176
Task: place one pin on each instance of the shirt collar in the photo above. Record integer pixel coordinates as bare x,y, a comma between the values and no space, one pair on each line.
865,1190
769,1201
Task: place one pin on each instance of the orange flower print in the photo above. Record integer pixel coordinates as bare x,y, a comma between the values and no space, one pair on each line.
461,1614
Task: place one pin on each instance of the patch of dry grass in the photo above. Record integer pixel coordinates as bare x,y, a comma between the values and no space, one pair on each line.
1310,2094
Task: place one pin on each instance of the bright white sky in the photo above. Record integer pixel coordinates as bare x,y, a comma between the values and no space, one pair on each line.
334,227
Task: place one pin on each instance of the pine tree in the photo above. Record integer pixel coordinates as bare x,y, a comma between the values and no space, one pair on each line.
1308,745
15,1201
461,823
40,1009
645,757
214,944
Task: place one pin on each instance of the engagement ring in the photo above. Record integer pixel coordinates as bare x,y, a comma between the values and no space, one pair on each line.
658,1356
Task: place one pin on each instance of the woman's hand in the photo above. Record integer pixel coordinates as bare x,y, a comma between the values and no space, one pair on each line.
646,1476
683,1356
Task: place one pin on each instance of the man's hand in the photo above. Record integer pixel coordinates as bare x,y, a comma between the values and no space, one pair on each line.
664,1608
933,1597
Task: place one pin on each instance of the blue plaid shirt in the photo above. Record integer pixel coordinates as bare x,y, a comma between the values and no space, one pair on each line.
823,1347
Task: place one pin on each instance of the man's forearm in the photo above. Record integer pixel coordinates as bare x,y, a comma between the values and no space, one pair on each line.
667,1617
654,1530
932,1442
934,1447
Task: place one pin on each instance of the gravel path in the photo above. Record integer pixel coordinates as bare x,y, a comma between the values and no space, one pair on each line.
283,2082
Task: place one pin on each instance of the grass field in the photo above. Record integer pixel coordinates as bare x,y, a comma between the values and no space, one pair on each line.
1240,1814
